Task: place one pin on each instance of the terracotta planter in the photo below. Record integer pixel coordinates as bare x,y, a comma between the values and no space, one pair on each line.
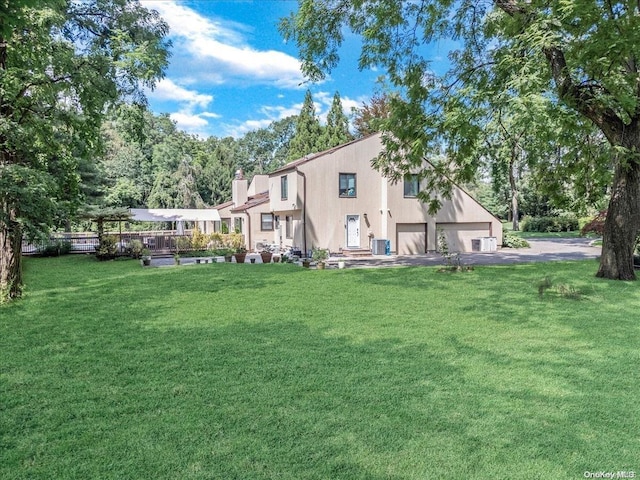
240,257
266,257
321,265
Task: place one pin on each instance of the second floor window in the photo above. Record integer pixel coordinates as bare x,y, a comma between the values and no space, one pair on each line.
411,186
266,222
347,185
284,187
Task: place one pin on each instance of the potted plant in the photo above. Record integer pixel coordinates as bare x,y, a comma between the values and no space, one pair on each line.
176,258
320,255
241,254
266,254
145,257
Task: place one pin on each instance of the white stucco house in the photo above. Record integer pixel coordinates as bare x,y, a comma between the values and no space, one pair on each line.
336,200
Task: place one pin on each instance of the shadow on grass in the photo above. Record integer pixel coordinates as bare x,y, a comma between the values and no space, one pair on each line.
282,399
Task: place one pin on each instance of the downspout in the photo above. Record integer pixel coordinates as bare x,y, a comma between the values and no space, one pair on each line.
248,230
304,209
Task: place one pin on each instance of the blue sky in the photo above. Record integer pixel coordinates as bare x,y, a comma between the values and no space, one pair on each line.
231,72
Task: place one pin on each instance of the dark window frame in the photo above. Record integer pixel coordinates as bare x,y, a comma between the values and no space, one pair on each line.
413,181
355,185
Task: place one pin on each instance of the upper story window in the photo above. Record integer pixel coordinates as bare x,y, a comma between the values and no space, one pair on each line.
284,187
411,186
347,185
266,221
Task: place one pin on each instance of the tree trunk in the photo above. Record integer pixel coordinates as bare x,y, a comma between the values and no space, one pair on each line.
10,261
622,223
514,194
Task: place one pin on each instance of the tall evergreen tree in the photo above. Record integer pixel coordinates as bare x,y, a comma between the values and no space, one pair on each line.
337,130
307,138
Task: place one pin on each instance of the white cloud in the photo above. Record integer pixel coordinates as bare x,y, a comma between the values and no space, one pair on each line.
167,89
221,47
188,122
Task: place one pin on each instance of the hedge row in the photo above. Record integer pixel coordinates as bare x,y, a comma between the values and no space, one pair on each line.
564,223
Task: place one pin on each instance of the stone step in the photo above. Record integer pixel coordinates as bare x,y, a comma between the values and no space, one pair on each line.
357,252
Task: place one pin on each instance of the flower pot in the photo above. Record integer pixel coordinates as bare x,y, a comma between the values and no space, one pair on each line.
266,257
240,257
341,264
321,265
306,263
228,258
276,259
146,261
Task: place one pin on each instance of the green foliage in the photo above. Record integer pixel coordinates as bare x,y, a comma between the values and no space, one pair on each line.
62,65
336,132
107,248
55,248
545,88
136,249
509,240
307,139
561,223
319,254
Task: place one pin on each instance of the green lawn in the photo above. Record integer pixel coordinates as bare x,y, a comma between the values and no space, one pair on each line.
227,371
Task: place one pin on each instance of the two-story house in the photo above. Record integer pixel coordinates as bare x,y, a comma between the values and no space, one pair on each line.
337,200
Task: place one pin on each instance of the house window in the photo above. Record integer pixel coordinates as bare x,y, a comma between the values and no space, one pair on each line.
411,186
288,224
284,187
347,185
266,221
237,224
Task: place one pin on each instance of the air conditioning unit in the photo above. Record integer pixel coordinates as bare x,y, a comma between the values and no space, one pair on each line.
378,246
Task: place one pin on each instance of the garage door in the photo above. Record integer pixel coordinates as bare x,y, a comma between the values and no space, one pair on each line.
411,238
459,235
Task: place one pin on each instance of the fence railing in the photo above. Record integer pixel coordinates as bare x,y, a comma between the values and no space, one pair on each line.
158,242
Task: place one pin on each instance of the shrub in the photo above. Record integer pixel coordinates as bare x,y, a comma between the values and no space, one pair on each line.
55,248
135,248
199,240
510,240
107,248
563,223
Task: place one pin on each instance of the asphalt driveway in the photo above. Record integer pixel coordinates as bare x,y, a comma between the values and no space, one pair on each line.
541,250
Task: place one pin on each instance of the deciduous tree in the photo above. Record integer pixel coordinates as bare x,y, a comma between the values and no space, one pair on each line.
62,63
578,57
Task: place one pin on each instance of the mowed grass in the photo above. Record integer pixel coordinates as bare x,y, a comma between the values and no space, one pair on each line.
227,371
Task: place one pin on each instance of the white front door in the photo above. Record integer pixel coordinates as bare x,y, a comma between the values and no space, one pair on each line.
353,231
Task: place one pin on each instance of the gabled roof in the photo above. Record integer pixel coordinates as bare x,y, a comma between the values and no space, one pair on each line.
223,205
314,156
254,201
